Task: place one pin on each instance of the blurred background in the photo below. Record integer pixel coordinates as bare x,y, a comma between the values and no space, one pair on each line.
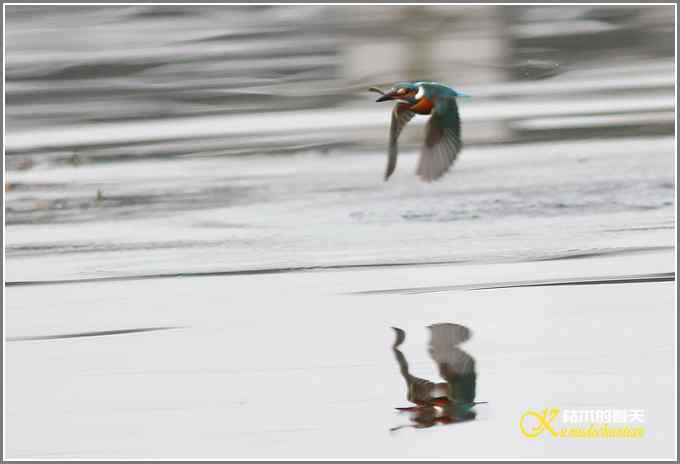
101,100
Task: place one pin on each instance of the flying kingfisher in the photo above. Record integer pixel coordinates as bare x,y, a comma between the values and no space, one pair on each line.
442,134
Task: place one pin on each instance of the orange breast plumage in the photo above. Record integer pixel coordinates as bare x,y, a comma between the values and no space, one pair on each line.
424,106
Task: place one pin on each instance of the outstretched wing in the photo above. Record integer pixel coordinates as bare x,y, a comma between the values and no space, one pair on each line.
442,140
401,115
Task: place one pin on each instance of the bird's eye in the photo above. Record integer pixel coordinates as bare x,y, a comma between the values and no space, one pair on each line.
420,94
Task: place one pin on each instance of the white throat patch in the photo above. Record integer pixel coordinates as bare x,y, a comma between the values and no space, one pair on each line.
420,94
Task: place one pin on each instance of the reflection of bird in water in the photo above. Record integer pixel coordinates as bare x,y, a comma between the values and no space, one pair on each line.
443,402
442,135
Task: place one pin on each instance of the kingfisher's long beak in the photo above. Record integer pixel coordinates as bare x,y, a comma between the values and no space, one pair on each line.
383,96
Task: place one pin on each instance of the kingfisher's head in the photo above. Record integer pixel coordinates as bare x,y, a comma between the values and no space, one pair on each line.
405,92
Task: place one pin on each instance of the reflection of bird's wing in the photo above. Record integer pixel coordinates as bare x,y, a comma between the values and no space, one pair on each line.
419,391
458,369
401,115
447,334
455,365
442,140
400,336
